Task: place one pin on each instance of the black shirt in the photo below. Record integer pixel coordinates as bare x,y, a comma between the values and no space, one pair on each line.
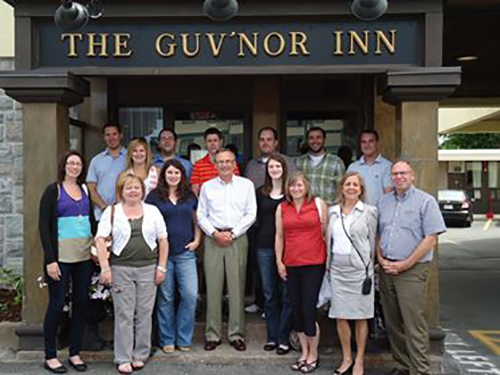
266,219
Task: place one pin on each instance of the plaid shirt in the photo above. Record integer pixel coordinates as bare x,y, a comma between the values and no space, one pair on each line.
325,177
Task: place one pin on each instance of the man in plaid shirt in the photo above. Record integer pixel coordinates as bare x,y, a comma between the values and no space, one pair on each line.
323,170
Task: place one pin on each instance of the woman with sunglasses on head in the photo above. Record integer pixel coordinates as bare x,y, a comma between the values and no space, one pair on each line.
139,162
276,302
66,226
177,203
351,244
136,266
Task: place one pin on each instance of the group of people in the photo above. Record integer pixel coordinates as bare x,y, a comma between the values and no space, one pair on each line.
314,226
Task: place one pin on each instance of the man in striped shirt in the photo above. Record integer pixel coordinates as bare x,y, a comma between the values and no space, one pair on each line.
205,169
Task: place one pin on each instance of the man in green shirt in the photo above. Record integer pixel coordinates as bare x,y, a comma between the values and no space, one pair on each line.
323,170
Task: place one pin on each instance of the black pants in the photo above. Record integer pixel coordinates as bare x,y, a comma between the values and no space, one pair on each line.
80,274
303,285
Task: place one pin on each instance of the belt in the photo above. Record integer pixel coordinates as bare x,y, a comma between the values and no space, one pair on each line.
224,229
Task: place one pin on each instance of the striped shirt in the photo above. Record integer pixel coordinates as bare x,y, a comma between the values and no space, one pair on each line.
73,228
324,177
204,170
405,220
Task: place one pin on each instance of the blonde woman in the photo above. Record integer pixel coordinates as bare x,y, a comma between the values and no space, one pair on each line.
139,162
351,243
136,266
301,223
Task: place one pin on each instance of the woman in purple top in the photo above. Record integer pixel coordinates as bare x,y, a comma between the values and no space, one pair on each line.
66,226
177,204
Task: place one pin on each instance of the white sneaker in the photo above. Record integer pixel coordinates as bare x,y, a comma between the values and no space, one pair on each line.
252,309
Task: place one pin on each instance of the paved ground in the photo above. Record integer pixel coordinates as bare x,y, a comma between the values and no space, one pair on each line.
470,296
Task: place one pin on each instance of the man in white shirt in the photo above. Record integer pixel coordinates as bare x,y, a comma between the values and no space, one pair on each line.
227,208
373,167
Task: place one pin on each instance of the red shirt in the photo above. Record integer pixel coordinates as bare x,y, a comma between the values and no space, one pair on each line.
303,239
204,170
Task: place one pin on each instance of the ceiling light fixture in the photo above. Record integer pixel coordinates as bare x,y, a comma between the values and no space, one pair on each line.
368,10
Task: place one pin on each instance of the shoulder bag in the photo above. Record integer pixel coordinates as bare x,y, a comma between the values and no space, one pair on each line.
367,282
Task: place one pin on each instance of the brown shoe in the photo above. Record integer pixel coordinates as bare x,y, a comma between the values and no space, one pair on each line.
239,345
211,345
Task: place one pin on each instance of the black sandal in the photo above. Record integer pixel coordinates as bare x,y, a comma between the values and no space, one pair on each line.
307,368
298,365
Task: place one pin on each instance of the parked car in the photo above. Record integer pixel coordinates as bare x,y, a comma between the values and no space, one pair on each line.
456,207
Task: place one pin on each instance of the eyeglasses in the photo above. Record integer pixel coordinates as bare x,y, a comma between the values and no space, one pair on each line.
225,162
73,164
403,173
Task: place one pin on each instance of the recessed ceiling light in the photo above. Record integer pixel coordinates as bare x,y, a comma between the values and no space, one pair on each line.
467,58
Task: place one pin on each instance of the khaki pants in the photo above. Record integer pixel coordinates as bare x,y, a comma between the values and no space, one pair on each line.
229,261
134,294
404,300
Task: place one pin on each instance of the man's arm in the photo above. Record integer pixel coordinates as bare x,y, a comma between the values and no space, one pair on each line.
95,197
249,215
202,214
422,249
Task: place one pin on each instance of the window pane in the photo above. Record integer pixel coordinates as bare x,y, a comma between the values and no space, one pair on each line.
191,126
474,172
493,175
75,138
296,130
144,122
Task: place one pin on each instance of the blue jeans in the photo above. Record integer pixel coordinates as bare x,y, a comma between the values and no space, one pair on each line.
176,327
276,303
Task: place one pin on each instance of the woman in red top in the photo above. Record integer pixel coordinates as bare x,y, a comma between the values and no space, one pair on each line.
301,223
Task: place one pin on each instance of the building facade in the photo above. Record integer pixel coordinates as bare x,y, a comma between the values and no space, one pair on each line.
288,64
11,155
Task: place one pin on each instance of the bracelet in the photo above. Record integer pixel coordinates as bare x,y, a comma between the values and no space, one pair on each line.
162,269
104,270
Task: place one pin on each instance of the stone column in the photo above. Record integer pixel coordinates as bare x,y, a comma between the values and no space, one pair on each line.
416,95
266,107
45,100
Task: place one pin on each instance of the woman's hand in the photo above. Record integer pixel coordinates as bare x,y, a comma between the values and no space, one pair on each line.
192,246
159,277
282,270
106,277
53,271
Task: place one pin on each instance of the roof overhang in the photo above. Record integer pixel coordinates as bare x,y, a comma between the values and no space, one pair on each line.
469,155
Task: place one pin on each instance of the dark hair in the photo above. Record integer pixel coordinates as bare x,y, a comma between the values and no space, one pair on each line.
268,128
212,131
369,131
109,125
183,190
316,129
268,181
168,130
61,168
232,147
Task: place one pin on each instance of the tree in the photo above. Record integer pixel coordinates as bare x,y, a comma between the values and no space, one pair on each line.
471,141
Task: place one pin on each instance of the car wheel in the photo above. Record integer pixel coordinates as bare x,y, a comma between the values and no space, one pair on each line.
468,223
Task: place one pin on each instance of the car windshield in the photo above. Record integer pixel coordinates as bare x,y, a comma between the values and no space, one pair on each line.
451,195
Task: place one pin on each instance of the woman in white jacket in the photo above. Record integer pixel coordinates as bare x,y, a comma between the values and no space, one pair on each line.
351,243
136,266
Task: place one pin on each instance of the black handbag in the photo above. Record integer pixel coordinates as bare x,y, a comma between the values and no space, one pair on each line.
366,288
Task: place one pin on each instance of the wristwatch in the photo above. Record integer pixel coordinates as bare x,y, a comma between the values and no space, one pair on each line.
162,269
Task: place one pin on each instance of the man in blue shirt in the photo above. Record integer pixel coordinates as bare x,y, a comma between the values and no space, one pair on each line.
373,167
105,168
167,144
409,225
